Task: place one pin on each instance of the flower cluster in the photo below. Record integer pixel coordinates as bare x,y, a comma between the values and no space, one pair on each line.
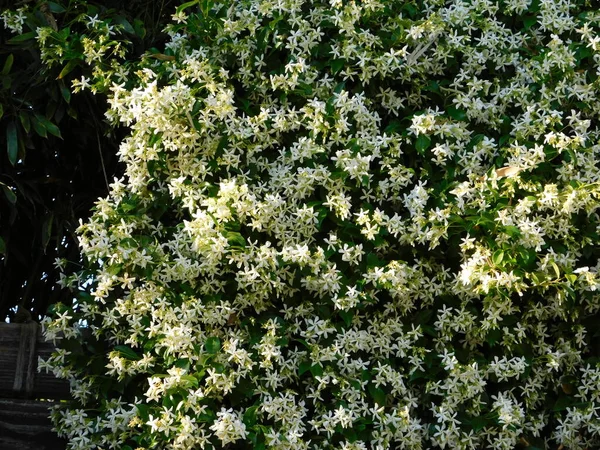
357,225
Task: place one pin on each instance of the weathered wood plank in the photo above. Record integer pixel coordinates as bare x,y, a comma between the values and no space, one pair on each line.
25,425
20,347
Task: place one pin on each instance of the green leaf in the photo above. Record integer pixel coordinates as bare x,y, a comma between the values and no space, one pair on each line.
212,345
337,65
250,416
347,316
186,5
377,394
127,27
316,370
22,37
571,278
12,143
1,110
529,21
9,194
235,239
127,352
563,403
144,411
478,423
66,93
38,127
556,269
25,122
374,261
192,380
512,231
55,8
140,30
68,68
456,114
8,64
2,246
497,257
423,143
493,337
52,129
304,367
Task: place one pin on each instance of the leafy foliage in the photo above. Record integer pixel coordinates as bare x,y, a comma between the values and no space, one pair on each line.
343,225
59,154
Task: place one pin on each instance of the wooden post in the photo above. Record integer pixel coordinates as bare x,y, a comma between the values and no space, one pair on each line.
20,347
25,423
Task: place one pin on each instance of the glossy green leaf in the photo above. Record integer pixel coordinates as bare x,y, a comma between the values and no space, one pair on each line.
55,8
53,129
186,5
497,257
127,27
212,345
456,114
423,143
304,367
22,37
25,122
9,194
250,416
38,127
12,142
68,68
65,92
377,394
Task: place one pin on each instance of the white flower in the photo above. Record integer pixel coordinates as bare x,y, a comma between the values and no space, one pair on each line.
229,427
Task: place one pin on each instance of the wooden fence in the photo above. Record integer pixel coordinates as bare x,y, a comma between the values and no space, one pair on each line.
25,394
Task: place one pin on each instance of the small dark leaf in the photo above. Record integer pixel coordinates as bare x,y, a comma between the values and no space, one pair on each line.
8,64
55,8
456,114
68,68
529,21
377,394
53,129
127,352
12,143
38,127
127,27
186,5
47,230
22,37
66,93
304,367
144,411
25,122
337,65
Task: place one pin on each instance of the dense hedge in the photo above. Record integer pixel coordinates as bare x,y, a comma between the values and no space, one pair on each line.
344,225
